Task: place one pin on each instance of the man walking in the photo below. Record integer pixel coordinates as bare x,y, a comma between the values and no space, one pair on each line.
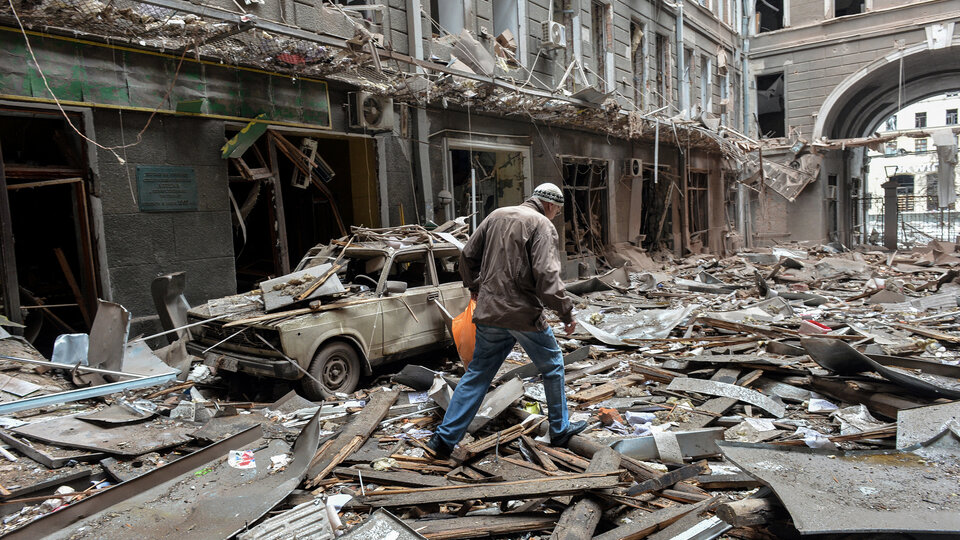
512,268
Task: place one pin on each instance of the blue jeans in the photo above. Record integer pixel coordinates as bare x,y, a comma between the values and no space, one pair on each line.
493,346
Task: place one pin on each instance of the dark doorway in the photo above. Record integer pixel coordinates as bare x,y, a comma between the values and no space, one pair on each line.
346,174
656,217
46,180
585,206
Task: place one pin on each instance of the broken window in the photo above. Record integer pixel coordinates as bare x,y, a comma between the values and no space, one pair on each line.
663,70
410,268
724,98
920,120
506,16
842,8
638,64
890,148
706,84
447,16
584,206
446,262
770,108
905,186
769,15
920,145
600,16
500,178
951,119
656,217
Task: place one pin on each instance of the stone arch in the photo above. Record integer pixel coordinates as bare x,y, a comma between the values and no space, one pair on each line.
870,94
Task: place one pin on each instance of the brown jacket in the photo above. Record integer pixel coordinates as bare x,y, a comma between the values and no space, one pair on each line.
511,262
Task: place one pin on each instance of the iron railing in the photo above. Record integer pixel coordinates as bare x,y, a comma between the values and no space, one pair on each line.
920,220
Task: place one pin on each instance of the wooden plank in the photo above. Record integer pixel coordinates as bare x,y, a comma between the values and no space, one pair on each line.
43,183
581,519
72,282
654,373
748,512
392,478
463,453
481,526
668,479
606,390
544,460
728,481
650,523
596,368
279,215
353,435
496,491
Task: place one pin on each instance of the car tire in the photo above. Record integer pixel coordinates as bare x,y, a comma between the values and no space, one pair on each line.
336,368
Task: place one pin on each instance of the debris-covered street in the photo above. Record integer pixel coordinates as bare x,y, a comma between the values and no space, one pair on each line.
505,269
776,392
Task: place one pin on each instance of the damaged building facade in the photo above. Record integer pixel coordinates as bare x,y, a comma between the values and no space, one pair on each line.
824,77
226,144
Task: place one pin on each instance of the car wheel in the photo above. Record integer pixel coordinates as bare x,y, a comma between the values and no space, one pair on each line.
335,368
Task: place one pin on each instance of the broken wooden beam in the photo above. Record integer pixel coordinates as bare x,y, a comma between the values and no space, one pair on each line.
495,491
668,479
749,512
481,526
650,523
391,478
581,519
606,390
352,437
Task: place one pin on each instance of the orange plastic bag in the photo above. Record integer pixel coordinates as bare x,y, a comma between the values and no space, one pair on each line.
465,334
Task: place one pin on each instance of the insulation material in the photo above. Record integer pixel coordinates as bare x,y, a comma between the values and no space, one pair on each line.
946,144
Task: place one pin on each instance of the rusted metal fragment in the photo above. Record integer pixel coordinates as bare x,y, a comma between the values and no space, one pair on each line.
713,388
830,492
125,440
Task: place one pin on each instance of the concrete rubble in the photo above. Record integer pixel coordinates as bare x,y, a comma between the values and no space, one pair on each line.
779,392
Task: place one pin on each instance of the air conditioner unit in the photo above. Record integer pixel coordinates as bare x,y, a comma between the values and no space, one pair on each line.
554,35
309,148
635,167
370,112
831,193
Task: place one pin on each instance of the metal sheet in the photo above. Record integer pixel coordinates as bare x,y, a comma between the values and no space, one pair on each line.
17,387
51,457
382,525
841,358
693,444
91,506
116,414
307,520
126,440
713,388
856,492
279,292
206,498
108,336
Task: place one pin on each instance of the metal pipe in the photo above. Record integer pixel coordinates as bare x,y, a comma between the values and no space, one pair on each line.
656,153
71,367
84,393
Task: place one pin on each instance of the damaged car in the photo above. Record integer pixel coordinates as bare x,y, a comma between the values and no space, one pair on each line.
390,300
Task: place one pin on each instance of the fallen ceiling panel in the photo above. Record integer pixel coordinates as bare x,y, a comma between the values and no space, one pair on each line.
828,492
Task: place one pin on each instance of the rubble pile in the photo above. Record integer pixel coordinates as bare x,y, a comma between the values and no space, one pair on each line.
777,392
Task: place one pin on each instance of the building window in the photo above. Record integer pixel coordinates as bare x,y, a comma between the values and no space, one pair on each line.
842,8
638,64
921,120
506,16
663,70
447,16
920,145
891,124
769,15
890,148
706,85
686,80
770,105
602,20
951,117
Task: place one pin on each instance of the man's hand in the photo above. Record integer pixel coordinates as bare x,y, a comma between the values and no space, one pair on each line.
473,296
570,327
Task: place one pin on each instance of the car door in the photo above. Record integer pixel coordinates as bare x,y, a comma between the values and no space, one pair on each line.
453,294
410,320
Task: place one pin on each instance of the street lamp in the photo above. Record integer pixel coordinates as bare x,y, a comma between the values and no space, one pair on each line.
890,170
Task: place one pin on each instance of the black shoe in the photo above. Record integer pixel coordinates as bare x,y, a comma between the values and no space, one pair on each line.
441,449
563,439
